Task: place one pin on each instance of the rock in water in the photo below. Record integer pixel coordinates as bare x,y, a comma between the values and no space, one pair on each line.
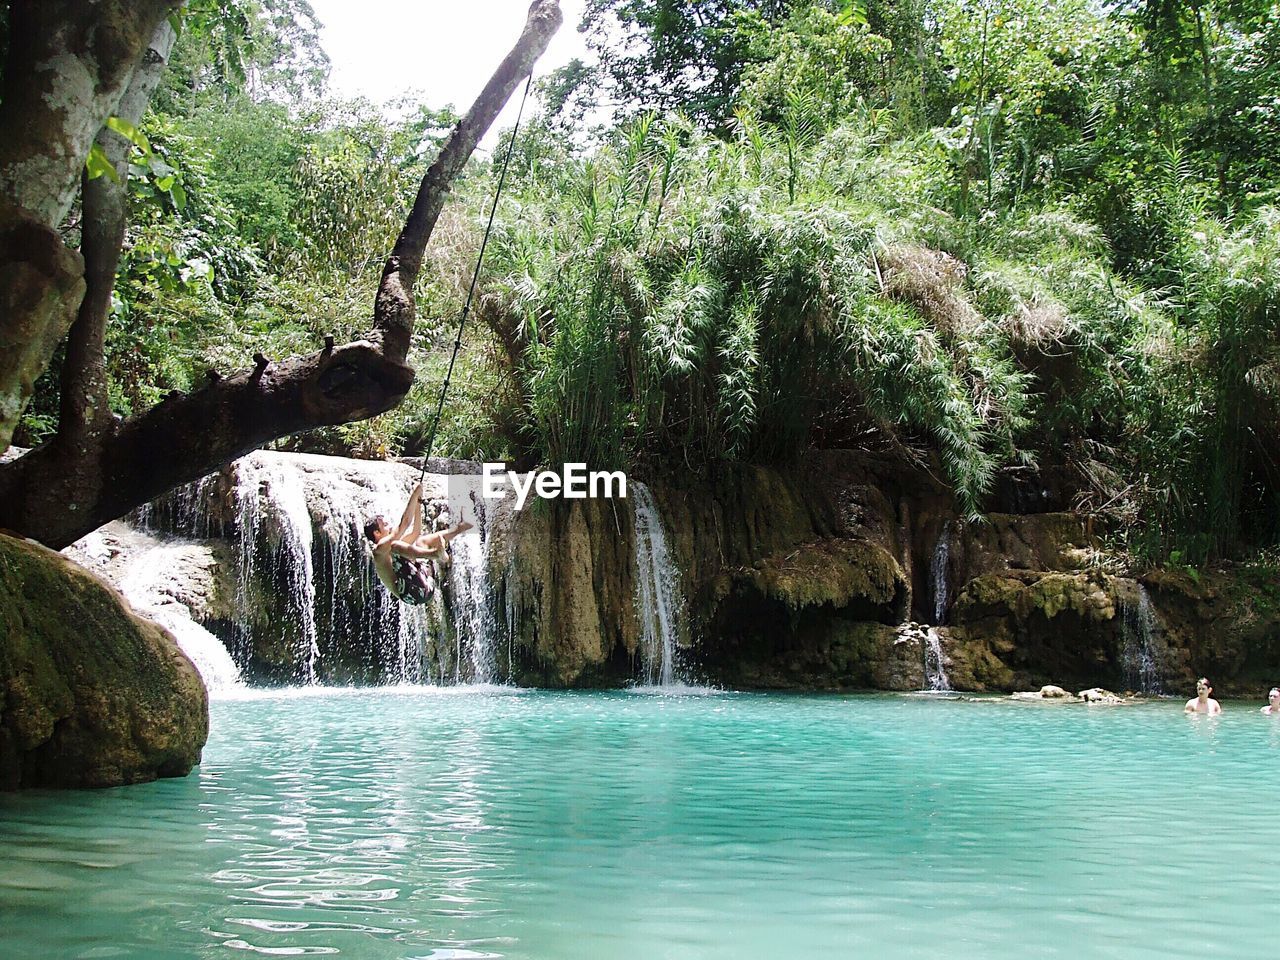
1051,692
91,695
1099,695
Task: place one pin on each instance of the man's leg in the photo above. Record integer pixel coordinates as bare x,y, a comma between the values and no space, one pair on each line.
437,541
415,527
433,545
420,549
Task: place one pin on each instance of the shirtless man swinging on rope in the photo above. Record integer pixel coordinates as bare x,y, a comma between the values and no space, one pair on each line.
406,558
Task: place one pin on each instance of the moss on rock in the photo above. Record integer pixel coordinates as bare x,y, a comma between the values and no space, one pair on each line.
1084,594
91,695
835,572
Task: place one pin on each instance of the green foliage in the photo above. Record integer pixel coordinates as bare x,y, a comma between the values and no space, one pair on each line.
992,235
685,55
231,48
681,298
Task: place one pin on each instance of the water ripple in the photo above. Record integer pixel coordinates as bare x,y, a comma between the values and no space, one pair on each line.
410,823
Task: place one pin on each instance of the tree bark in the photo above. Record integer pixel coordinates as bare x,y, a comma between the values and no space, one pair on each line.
190,435
41,282
85,418
393,308
68,64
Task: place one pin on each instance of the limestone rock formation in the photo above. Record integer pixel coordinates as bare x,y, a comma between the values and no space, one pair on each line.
796,577
91,695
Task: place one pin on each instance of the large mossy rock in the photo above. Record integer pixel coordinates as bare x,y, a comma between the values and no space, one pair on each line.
1024,629
1223,624
818,616
834,572
91,695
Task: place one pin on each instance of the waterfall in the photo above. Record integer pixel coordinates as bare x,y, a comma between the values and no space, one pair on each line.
302,603
392,639
142,585
935,670
1141,659
187,509
271,499
474,619
938,573
658,598
933,661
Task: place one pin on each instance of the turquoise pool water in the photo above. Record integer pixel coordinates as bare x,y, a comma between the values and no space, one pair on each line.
622,825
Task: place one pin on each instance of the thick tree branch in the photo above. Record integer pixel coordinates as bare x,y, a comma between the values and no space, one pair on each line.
393,309
188,436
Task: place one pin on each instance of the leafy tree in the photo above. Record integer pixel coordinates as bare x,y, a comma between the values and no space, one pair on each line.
685,55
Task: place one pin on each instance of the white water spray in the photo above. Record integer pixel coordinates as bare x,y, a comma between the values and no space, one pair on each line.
658,598
142,587
271,498
933,661
935,669
474,619
938,575
1141,656
304,570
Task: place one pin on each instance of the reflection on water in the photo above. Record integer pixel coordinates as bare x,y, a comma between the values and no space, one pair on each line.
490,823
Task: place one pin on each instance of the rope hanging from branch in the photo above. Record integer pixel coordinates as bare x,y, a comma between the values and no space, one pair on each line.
475,278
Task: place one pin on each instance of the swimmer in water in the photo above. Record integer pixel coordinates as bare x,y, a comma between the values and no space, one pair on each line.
1272,709
1202,702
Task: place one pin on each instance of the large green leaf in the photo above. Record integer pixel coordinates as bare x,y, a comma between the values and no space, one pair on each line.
97,164
130,133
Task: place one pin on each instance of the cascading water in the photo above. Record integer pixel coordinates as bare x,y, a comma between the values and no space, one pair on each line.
938,575
307,606
271,499
928,640
140,586
1141,659
304,577
658,598
185,509
471,620
935,670
359,612
474,620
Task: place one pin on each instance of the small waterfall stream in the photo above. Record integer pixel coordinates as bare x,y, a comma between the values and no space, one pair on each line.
939,568
268,492
151,573
475,623
935,669
1141,655
658,598
211,659
933,659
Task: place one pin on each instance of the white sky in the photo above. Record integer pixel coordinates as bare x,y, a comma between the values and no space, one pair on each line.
438,51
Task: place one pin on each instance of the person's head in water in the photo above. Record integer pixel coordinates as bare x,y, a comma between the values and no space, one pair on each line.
1202,702
1273,702
375,528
